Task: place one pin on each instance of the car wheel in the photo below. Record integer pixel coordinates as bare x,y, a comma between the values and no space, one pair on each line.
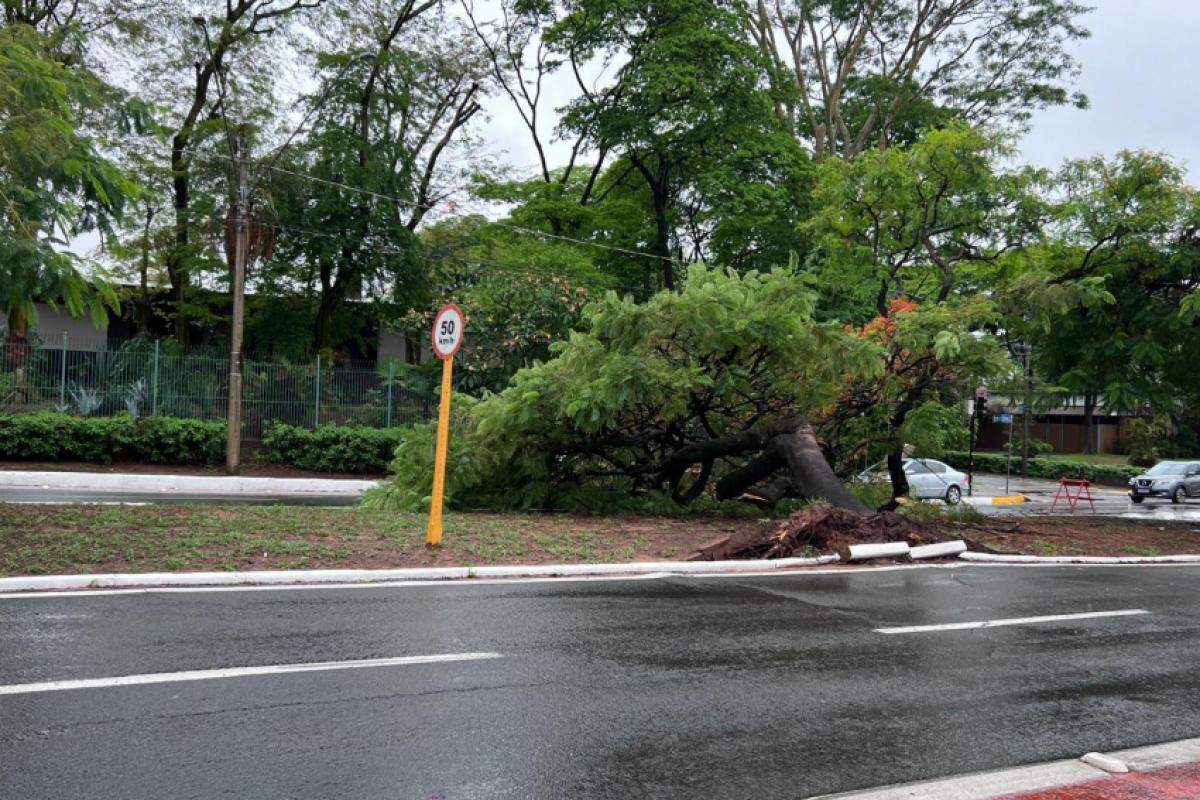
1179,495
953,496
1137,499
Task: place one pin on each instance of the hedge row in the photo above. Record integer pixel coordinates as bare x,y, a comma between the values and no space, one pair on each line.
1050,468
49,436
332,448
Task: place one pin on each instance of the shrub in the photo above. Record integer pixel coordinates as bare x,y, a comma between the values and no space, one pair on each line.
1146,437
1049,468
333,448
48,436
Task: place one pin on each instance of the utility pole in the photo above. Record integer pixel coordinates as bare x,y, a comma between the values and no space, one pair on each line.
1027,406
241,246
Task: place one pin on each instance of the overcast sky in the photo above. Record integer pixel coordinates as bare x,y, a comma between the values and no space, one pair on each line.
1140,71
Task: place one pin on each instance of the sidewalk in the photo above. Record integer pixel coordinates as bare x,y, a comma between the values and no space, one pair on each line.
32,486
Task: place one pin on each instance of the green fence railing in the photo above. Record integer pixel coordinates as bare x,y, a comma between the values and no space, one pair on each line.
143,379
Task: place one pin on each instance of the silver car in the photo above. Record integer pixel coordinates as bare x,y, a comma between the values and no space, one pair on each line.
927,479
1177,480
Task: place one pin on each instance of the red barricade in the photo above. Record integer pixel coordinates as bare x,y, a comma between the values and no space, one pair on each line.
1073,490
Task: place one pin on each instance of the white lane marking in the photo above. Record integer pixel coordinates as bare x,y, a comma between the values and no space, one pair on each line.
38,594
34,594
236,672
996,623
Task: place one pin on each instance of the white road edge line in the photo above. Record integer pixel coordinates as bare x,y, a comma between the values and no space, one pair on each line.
54,594
236,672
997,623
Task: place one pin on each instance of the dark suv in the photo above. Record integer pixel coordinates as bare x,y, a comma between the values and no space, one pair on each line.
1177,480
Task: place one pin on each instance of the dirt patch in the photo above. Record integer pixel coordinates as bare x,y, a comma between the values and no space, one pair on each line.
1083,535
821,529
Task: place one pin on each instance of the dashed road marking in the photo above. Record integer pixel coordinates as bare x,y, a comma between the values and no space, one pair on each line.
997,623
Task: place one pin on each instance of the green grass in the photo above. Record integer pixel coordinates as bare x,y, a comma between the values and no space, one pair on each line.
1105,459
84,539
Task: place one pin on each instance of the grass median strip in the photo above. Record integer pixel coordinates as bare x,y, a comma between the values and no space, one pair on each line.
70,539
93,539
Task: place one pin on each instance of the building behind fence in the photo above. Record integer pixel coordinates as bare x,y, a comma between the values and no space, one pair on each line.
143,379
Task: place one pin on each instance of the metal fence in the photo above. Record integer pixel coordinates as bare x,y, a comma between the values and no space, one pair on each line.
142,379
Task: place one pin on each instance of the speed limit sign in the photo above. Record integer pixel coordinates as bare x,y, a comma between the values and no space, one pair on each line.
448,328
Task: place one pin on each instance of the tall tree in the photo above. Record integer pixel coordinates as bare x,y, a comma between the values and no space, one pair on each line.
851,76
394,112
847,76
686,92
203,63
54,182
1128,226
910,238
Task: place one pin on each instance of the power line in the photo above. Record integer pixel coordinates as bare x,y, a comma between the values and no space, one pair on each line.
466,260
411,201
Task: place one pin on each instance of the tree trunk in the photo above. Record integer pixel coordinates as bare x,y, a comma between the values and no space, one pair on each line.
811,474
177,258
323,324
16,349
787,444
895,465
1089,426
662,239
657,182
143,311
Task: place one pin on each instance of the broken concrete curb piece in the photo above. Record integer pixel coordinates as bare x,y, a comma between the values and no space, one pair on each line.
863,552
1106,763
938,550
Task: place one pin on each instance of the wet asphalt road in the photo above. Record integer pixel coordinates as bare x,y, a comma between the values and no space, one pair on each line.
746,687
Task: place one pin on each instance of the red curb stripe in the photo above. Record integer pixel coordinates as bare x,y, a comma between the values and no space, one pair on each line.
1172,783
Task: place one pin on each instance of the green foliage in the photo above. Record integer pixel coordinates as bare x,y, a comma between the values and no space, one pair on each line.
1146,437
54,181
926,511
46,436
1036,446
333,448
933,428
924,222
412,467
1049,468
1104,305
519,293
592,425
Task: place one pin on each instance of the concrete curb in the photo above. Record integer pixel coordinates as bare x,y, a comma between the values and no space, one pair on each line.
180,484
1000,558
1034,777
364,576
1004,500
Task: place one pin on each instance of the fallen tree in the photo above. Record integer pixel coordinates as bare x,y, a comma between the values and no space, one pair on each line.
821,529
708,389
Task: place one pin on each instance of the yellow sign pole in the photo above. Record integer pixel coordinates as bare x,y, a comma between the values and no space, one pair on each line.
433,534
